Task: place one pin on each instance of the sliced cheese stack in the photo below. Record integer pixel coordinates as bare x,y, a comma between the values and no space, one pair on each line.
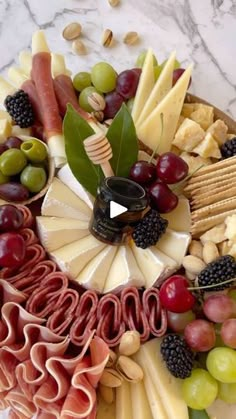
162,389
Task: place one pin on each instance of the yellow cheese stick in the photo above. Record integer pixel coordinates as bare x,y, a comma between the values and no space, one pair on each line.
5,89
104,410
123,402
25,60
140,404
16,76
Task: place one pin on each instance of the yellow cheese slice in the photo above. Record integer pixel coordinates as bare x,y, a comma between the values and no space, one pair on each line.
168,387
149,131
162,87
180,218
145,86
140,403
123,401
55,232
104,410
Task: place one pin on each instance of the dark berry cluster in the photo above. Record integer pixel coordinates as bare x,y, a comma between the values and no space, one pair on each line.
149,230
218,271
228,149
178,356
19,107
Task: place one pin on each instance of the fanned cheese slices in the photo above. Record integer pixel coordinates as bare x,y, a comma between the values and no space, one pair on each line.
180,218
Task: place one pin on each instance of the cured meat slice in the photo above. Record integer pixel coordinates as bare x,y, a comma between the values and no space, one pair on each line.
31,281
86,318
3,402
19,403
29,236
133,314
64,312
10,293
156,315
8,365
29,87
28,217
110,325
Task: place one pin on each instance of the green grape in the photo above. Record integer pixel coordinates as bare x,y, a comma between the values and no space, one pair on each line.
82,80
227,392
221,363
141,58
130,104
157,71
200,389
103,77
232,294
83,98
3,178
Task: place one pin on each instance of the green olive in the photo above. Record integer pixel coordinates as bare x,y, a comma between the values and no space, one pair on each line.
34,150
12,162
3,178
33,178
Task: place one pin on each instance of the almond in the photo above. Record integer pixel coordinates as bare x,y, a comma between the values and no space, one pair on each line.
210,252
193,264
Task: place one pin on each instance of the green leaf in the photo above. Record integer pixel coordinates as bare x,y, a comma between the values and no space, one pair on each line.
76,130
197,414
124,142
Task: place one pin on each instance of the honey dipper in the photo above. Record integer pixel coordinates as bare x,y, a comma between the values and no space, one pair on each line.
99,151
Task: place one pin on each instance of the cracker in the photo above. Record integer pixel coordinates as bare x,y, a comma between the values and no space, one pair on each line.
215,189
211,199
214,209
206,170
209,222
215,177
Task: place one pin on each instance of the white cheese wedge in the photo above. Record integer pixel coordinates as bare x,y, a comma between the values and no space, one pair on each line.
162,87
140,403
67,177
123,401
124,271
154,398
60,201
73,257
145,86
154,264
55,232
149,131
174,244
104,410
180,218
168,387
95,272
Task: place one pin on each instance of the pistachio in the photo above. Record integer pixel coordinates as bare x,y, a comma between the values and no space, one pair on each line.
129,343
107,393
78,47
113,3
131,38
96,101
112,359
99,115
193,264
72,31
195,248
107,38
111,378
129,369
210,252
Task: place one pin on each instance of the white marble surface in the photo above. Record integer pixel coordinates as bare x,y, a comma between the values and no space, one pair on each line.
201,31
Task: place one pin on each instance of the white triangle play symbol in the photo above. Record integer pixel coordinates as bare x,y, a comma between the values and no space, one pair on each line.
116,209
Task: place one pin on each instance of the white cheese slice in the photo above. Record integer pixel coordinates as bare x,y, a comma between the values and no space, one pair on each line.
104,410
174,244
140,403
55,232
95,272
168,387
145,85
154,264
154,399
25,60
123,401
162,87
180,218
73,257
60,201
124,271
170,106
67,177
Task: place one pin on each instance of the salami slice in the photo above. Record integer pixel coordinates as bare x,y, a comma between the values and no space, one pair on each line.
157,318
31,282
28,217
133,314
64,312
86,318
29,236
110,325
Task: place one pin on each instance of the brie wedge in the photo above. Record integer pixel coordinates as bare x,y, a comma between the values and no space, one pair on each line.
55,232
73,257
124,271
180,218
174,244
60,201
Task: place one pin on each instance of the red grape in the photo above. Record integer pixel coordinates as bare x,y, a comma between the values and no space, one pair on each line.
143,172
177,73
175,296
219,308
11,218
13,142
113,103
178,321
12,250
162,198
3,148
200,335
171,168
228,333
127,83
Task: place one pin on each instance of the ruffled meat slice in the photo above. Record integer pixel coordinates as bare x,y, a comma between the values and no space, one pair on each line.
85,318
156,315
3,403
19,403
8,365
110,325
64,312
10,293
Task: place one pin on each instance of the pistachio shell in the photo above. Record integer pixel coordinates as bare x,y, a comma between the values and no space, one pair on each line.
112,359
129,369
129,343
72,31
107,393
111,378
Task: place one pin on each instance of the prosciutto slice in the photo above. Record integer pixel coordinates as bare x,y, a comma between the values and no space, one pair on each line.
10,293
29,88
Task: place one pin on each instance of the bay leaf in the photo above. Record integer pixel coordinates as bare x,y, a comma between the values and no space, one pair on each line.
124,143
76,130
197,414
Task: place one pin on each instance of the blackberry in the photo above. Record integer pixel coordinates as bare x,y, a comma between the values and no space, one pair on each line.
178,356
19,107
218,271
228,149
149,230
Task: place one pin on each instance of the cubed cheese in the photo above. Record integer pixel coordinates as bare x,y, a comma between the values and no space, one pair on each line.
208,148
187,109
219,131
230,231
203,116
215,234
189,135
194,162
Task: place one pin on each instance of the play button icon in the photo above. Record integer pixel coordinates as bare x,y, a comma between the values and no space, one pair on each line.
116,209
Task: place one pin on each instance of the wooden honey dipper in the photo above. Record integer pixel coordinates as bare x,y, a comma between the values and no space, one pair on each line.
99,151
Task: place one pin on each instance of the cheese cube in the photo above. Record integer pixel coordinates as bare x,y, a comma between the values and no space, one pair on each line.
5,129
230,231
215,234
219,131
194,162
208,148
189,135
232,251
180,121
187,109
203,116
